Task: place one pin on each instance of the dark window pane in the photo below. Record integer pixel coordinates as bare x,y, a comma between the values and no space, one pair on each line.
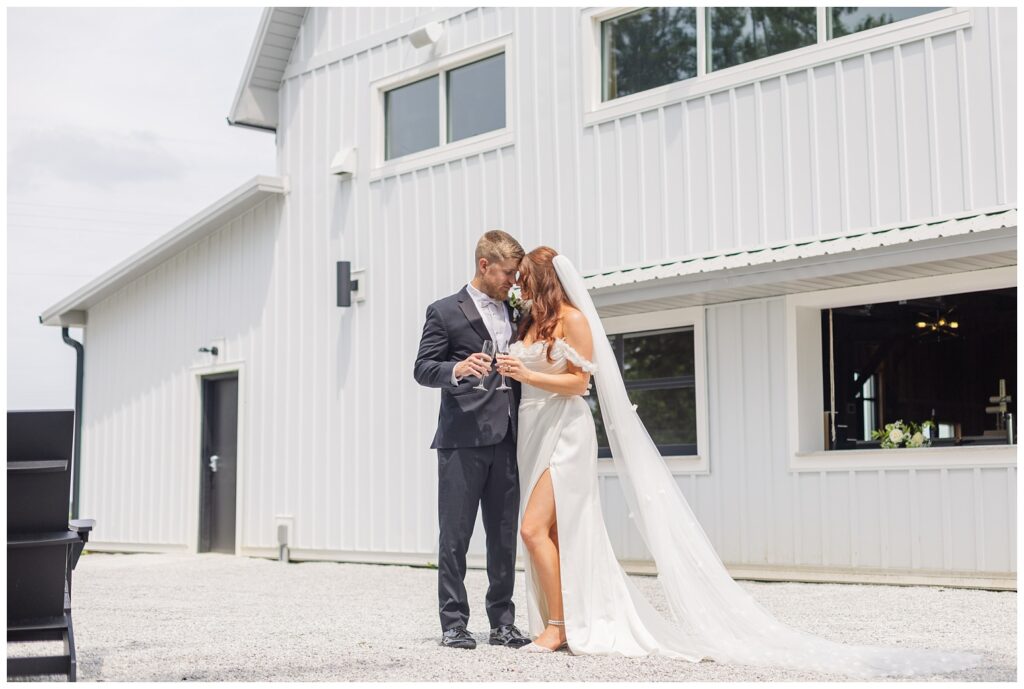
934,359
741,34
476,98
847,20
411,118
658,355
669,415
658,369
648,48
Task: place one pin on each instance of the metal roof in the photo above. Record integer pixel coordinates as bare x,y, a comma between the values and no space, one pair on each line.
255,103
71,311
966,241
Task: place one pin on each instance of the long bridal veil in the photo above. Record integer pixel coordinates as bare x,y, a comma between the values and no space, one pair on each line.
706,603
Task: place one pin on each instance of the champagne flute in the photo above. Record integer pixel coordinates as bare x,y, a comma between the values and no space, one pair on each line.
488,351
503,349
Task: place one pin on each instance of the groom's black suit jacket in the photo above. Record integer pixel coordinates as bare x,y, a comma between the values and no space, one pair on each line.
468,418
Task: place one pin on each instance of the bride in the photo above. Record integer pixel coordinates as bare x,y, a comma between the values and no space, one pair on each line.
577,594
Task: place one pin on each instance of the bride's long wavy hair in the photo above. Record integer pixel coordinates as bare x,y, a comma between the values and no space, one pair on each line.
540,284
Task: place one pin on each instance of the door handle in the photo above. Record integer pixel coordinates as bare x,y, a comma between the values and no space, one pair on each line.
213,463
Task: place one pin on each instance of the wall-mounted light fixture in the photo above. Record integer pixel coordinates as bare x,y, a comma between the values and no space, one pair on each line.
351,284
344,162
428,34
209,350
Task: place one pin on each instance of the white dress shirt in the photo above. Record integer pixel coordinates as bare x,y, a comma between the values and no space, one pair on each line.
495,317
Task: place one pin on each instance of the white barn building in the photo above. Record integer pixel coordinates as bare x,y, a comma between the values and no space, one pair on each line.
766,207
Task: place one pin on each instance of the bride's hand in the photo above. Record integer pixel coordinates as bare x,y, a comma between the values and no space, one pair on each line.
511,367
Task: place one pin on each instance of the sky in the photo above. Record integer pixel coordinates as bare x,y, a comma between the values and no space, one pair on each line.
116,133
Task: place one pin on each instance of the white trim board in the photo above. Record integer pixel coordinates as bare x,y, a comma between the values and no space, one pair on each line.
392,33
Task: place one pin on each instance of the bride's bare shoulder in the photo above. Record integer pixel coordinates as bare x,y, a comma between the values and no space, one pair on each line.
571,321
570,316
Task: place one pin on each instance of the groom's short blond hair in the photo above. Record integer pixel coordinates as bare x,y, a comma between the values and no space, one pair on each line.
497,246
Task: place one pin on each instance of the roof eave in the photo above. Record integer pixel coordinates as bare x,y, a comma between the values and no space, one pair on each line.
72,311
241,107
700,267
256,99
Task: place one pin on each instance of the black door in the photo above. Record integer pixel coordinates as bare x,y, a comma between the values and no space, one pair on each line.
217,464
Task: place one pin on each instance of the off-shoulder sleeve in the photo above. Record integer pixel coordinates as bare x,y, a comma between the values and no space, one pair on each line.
574,356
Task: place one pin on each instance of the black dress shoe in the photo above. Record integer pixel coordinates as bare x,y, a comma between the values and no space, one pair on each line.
458,637
508,635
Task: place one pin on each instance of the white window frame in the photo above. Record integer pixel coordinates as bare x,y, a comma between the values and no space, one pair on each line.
661,320
444,152
805,377
823,52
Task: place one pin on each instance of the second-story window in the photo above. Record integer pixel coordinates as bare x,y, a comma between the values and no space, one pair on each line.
741,34
843,21
411,118
473,96
476,98
648,48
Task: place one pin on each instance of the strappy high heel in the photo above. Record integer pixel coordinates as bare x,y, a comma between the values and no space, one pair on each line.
537,648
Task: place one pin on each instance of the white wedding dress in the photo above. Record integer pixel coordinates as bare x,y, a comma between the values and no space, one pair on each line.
713,617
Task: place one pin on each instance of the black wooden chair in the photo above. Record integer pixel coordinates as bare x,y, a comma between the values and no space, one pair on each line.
43,545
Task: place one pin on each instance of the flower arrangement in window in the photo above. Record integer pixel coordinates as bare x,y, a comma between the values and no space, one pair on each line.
903,434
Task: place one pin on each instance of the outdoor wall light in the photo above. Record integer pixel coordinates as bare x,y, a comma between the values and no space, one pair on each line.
427,34
351,284
344,162
211,350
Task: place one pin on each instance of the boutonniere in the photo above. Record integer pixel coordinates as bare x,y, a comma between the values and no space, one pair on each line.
520,306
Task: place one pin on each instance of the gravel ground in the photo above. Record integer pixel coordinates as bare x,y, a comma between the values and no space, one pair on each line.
223,618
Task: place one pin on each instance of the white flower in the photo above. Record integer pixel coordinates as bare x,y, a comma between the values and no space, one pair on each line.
896,435
917,439
515,297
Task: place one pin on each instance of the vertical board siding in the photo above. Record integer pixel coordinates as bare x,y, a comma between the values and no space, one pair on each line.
336,433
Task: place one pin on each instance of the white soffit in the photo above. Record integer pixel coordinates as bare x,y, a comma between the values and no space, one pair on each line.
255,103
72,310
936,246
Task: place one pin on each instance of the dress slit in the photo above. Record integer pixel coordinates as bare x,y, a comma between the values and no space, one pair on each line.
541,602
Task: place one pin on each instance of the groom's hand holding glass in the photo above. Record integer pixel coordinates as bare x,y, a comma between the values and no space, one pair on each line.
476,364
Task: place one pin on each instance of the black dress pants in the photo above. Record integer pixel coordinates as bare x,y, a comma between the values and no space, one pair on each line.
467,477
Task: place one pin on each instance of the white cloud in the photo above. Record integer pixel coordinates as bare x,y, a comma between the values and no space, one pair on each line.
101,159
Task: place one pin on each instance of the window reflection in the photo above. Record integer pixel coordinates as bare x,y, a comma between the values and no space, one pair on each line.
843,21
657,368
648,48
740,34
476,98
411,118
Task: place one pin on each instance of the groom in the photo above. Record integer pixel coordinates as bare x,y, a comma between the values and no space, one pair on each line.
475,440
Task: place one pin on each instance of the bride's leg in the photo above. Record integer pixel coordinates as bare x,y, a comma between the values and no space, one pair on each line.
540,534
